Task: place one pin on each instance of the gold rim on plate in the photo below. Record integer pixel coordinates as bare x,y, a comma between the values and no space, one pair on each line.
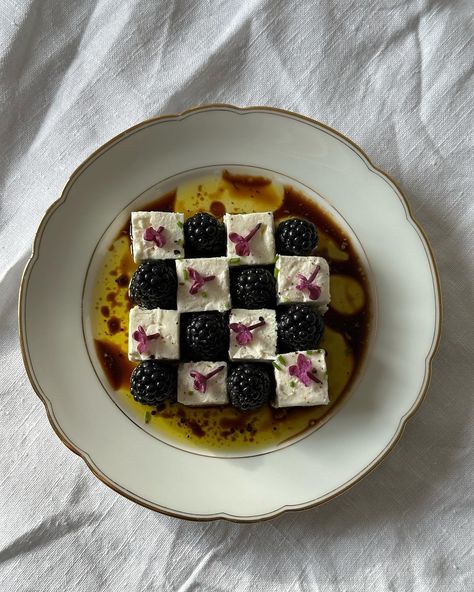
222,516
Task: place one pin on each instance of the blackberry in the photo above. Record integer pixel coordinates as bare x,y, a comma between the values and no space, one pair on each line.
296,237
154,285
253,287
300,327
204,236
206,336
249,386
153,382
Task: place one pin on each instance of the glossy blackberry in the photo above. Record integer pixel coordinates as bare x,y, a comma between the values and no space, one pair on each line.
296,237
206,336
154,285
204,236
153,382
252,287
249,386
300,327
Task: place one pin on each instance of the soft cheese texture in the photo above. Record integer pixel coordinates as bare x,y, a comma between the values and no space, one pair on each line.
264,339
173,235
164,322
216,389
213,295
290,391
287,269
262,244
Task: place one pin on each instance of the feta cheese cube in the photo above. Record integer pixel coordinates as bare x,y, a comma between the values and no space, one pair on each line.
153,334
212,377
294,387
203,284
149,242
261,245
312,288
263,339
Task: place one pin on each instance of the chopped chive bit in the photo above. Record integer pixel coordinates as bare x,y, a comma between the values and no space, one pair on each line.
310,352
204,294
275,365
179,223
147,417
282,360
185,274
276,271
234,260
292,384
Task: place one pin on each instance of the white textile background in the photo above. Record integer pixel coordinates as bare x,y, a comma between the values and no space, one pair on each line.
396,77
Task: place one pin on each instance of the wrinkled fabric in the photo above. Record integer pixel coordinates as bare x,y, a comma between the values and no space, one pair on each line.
396,77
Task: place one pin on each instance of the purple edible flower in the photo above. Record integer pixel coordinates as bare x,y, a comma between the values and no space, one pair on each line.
244,333
198,280
307,284
200,380
143,339
303,370
155,236
242,247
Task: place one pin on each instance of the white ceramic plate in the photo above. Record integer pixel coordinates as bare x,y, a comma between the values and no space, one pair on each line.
249,488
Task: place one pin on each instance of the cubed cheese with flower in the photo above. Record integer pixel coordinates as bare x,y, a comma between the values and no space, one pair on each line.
202,383
303,279
157,235
253,334
301,379
153,334
203,284
250,238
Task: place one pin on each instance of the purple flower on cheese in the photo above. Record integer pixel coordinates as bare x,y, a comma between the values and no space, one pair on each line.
155,236
143,339
200,380
242,247
198,280
307,284
303,371
244,334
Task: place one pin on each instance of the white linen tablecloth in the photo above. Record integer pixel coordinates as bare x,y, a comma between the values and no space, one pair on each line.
396,77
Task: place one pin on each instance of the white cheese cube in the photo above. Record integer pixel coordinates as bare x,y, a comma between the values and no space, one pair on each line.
261,245
258,343
203,284
294,387
153,334
202,383
303,279
149,242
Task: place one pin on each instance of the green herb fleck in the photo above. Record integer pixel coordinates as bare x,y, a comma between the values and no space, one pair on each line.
276,271
275,259
185,274
147,417
179,223
204,294
234,260
190,393
282,360
275,365
310,352
292,384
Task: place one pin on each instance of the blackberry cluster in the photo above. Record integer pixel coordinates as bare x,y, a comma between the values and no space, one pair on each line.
249,386
204,236
153,382
206,336
154,285
296,237
300,327
253,287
